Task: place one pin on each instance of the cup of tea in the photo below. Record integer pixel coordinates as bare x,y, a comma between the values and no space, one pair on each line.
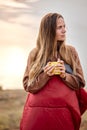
55,71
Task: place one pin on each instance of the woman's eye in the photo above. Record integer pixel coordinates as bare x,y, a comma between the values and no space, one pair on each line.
59,27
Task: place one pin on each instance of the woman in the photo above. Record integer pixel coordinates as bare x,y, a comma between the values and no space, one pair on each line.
52,102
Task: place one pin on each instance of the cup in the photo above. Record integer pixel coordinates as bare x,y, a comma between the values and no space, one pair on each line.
55,71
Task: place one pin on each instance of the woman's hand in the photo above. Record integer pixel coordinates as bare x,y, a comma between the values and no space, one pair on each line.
61,67
49,69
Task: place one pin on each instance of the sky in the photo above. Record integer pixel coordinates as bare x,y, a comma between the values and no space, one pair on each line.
19,25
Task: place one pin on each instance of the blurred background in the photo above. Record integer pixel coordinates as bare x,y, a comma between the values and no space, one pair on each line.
19,24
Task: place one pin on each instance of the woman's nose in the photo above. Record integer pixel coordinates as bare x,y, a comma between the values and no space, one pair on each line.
64,30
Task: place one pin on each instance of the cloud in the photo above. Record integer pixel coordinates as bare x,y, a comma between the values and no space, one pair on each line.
33,1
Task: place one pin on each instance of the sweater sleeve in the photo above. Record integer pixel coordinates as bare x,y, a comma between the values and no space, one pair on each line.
75,81
38,83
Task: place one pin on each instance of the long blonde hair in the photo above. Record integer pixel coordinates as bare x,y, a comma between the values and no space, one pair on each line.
46,46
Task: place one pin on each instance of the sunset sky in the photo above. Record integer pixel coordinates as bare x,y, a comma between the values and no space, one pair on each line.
19,24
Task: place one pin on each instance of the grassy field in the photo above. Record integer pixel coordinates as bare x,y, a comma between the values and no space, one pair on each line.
11,107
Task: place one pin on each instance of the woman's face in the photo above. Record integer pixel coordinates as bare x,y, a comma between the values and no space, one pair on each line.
60,30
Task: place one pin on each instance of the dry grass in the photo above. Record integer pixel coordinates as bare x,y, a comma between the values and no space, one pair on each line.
84,122
11,107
